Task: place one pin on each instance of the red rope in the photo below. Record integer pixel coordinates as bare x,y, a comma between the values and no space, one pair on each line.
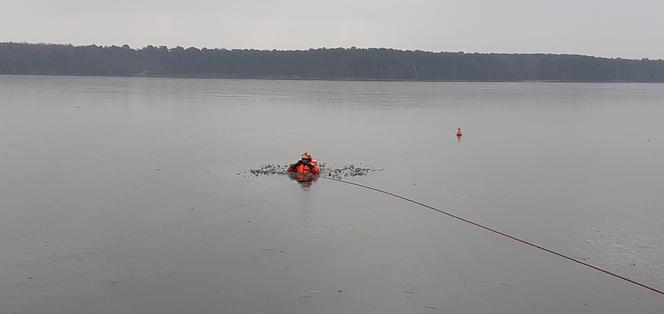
503,234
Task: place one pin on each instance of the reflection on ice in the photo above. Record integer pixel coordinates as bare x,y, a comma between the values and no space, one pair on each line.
304,179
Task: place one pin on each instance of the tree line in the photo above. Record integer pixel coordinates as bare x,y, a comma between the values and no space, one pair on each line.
323,63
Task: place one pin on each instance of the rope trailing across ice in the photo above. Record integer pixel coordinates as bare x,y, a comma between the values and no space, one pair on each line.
496,231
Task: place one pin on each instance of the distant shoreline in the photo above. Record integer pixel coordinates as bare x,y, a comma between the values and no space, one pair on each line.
266,78
335,64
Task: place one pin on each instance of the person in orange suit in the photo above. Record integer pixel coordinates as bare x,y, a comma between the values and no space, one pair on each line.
307,164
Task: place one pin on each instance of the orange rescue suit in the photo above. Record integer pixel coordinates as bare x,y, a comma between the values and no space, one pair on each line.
302,167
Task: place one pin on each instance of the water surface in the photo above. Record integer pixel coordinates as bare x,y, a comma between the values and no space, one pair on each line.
122,195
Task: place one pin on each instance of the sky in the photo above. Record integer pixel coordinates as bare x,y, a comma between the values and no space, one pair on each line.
608,28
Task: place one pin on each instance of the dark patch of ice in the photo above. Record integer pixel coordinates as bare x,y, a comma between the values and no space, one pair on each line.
339,171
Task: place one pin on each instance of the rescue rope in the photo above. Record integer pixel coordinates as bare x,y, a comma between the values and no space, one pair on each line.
477,224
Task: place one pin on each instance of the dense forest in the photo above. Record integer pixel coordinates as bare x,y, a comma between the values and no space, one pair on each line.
323,63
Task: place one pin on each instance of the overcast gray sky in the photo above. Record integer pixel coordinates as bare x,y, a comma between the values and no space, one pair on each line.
629,29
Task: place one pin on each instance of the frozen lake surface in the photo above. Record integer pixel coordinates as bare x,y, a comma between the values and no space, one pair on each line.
133,195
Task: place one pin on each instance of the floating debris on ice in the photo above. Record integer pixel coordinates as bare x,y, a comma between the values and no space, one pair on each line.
335,171
267,170
345,171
